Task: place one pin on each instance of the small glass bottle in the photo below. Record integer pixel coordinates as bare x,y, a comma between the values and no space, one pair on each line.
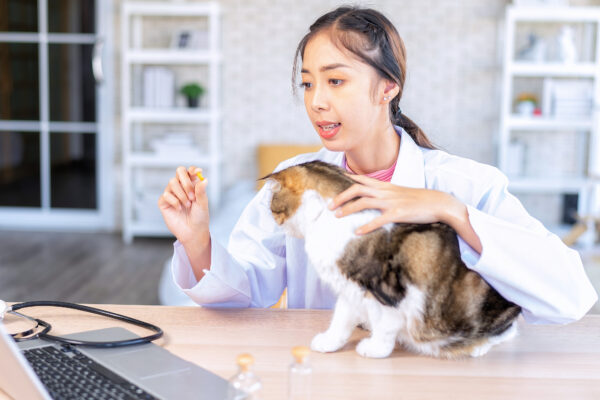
245,384
300,374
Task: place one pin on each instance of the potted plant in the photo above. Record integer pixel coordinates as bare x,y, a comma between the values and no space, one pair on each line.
192,91
526,104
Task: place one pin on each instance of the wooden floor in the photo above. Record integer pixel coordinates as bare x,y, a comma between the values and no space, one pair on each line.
81,267
100,268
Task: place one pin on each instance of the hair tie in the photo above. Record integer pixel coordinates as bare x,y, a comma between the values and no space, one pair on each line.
398,113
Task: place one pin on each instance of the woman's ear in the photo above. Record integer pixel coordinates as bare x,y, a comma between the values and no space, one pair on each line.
390,90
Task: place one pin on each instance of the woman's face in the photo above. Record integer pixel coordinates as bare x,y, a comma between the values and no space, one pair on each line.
342,95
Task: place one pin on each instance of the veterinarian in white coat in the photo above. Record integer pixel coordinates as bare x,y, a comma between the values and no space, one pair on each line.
352,99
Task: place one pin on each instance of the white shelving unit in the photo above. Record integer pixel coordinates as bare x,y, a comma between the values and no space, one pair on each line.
584,181
146,171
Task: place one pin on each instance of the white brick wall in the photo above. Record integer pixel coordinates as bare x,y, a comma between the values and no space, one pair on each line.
452,89
451,80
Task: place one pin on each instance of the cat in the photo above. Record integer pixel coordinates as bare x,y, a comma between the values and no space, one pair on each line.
403,282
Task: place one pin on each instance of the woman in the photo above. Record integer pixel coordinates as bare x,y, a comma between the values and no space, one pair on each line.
353,72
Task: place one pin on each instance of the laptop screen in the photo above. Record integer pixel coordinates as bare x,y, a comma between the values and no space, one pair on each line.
17,379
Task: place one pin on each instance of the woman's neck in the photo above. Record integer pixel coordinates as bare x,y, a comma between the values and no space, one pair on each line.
377,152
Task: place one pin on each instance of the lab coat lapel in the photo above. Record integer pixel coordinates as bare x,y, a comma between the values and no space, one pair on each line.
410,166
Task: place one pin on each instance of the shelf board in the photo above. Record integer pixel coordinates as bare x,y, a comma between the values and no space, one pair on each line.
520,68
553,13
539,123
150,228
153,160
141,114
171,56
170,9
547,185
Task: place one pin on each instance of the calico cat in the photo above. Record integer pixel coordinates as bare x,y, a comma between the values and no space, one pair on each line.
403,282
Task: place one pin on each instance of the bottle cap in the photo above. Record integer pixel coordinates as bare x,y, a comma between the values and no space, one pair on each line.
244,361
300,353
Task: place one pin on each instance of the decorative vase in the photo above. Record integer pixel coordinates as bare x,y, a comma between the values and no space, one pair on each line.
525,108
193,102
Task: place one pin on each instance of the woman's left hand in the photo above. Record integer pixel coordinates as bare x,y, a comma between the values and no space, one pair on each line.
396,203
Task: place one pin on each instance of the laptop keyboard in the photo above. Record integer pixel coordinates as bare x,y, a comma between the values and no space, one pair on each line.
68,374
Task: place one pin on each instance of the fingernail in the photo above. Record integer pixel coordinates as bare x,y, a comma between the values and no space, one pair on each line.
189,204
191,196
338,213
359,231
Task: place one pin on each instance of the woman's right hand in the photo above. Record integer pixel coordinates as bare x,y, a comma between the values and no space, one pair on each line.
184,205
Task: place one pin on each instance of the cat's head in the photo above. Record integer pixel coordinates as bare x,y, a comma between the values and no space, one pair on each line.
291,184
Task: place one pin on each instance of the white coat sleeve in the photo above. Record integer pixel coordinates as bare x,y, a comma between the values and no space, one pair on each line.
251,273
524,262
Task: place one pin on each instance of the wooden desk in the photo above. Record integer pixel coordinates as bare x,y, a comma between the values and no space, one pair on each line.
543,362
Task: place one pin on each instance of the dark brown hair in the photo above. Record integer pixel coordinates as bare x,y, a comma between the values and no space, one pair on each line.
371,37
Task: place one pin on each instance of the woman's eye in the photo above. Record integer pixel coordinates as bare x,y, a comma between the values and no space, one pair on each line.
306,85
336,82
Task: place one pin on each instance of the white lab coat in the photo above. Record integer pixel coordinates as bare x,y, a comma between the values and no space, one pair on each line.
522,260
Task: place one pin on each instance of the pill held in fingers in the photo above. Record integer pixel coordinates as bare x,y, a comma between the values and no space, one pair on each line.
199,175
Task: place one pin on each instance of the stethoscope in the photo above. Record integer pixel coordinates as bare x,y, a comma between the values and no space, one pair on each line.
41,328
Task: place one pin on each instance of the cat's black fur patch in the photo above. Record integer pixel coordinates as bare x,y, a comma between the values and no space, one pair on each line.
375,263
460,307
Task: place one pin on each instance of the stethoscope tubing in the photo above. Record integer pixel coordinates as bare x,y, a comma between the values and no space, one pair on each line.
119,343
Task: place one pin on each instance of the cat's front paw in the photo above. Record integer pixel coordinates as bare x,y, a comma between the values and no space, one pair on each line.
374,348
326,343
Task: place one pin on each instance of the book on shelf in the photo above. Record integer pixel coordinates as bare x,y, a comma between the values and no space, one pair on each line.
175,144
158,87
568,98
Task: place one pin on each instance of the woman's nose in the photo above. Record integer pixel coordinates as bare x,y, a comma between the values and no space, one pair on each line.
319,101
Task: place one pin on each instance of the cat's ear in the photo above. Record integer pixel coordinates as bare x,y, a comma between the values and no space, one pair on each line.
275,185
266,177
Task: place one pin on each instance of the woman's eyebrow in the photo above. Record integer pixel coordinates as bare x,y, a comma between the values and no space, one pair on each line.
326,67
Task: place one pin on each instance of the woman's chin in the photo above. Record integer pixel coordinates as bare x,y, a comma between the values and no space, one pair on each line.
333,145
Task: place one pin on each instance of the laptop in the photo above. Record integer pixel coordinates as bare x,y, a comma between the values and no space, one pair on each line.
39,369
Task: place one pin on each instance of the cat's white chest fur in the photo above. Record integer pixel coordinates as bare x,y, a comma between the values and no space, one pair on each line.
326,237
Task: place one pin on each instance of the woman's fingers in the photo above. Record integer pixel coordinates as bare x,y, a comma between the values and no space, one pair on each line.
350,193
365,180
168,199
377,222
180,191
365,186
193,173
177,190
362,203
186,182
200,189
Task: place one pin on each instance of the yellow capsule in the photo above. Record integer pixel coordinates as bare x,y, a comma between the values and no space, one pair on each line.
199,175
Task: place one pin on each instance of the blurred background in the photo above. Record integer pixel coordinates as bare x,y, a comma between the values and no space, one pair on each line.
100,101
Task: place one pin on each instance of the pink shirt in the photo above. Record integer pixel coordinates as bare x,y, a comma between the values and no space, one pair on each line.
384,175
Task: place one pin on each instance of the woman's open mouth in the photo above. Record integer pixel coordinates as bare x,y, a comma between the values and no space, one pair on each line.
327,129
